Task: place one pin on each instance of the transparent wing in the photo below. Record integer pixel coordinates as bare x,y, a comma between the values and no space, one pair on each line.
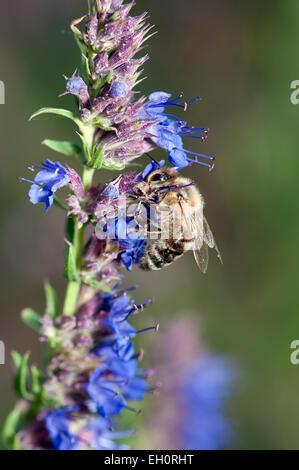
202,236
209,239
202,258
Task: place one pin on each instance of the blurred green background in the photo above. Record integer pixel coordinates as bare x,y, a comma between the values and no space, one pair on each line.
241,58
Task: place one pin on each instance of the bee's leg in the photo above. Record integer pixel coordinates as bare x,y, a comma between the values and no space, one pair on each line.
151,259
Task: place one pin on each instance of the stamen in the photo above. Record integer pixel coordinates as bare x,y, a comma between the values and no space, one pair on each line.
138,412
193,136
156,328
200,155
30,181
199,163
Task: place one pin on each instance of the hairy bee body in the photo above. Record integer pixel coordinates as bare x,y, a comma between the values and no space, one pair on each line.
161,253
179,205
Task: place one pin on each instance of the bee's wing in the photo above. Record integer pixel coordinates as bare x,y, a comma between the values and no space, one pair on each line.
202,257
202,235
199,245
209,239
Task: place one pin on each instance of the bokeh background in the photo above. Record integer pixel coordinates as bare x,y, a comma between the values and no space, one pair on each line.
240,57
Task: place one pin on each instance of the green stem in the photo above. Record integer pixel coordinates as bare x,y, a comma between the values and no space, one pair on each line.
73,287
71,297
87,177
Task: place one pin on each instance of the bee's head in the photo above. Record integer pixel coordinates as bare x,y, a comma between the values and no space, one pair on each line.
161,177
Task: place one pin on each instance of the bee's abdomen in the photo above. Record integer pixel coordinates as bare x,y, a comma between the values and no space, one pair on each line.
159,254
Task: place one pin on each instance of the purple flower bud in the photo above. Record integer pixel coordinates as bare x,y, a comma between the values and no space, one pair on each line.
75,85
92,28
76,183
119,90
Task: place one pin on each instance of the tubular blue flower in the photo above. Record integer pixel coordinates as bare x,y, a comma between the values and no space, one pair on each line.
100,437
203,391
39,194
168,130
51,177
105,394
58,427
125,232
136,389
117,322
191,409
134,248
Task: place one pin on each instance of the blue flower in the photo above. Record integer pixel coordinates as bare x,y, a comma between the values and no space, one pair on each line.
75,85
134,250
103,437
58,427
111,191
203,390
126,233
121,348
167,133
119,90
39,194
117,322
105,394
135,389
51,177
118,356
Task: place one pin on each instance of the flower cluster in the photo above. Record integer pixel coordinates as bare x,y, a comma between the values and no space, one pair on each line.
91,370
203,390
92,375
168,130
196,386
52,176
111,39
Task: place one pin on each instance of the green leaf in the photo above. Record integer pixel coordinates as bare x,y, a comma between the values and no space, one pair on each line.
74,28
10,428
17,359
113,167
66,148
70,229
96,161
52,307
36,384
95,283
85,146
70,269
31,318
78,35
85,62
20,383
59,111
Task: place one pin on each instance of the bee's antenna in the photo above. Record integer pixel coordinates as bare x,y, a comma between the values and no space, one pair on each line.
153,160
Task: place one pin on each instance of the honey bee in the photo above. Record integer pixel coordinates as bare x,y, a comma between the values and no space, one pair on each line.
178,205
